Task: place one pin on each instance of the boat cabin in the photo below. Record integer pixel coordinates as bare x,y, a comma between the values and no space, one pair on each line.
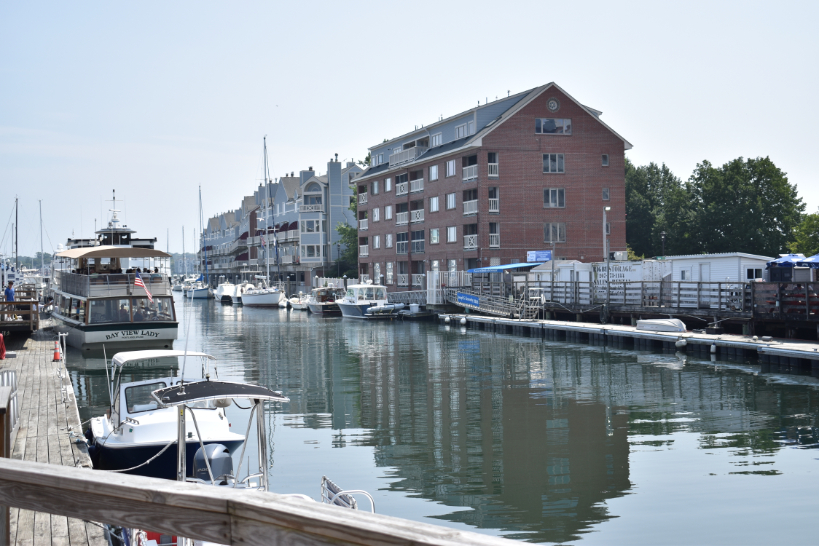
366,292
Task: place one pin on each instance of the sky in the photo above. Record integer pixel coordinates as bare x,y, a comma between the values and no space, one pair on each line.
155,99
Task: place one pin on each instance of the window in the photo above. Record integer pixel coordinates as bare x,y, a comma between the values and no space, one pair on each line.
450,168
311,251
139,397
460,131
553,163
388,240
470,127
451,234
436,265
605,194
608,228
379,159
146,310
376,214
433,172
375,187
436,140
605,160
433,236
418,242
311,226
753,274
685,274
389,272
401,243
377,272
492,157
433,204
554,233
554,198
450,201
452,265
376,241
388,184
388,212
553,126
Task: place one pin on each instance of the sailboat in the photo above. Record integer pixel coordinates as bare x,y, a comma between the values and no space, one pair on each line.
266,295
200,289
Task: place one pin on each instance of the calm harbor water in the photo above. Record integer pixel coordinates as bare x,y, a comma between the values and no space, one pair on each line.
537,441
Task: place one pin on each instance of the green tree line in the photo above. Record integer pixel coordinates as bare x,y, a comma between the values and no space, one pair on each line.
745,205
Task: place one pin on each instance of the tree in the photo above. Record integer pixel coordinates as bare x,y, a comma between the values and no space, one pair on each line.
743,206
806,236
349,235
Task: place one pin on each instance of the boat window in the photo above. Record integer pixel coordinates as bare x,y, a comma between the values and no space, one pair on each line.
77,310
65,306
370,293
138,398
380,294
146,311
110,310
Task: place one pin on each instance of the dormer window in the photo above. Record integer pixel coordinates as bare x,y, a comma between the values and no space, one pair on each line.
436,140
460,131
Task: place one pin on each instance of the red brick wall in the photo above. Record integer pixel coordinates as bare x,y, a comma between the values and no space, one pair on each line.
521,183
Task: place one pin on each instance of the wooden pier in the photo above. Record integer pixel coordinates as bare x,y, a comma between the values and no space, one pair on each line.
47,432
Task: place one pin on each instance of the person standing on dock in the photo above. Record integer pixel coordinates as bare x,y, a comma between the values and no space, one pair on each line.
9,295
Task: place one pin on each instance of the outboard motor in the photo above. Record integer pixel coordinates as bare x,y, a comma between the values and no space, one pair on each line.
221,464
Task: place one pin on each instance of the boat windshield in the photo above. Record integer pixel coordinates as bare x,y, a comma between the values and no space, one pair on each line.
138,398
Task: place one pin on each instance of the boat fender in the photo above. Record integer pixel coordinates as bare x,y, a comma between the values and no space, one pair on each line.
755,339
713,348
446,320
463,321
681,343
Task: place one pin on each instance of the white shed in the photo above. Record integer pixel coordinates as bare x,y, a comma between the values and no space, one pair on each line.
728,267
565,271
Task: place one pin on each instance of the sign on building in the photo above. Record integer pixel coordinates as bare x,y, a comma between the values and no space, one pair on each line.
538,255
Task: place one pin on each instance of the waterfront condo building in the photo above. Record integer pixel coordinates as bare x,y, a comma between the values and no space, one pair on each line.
532,171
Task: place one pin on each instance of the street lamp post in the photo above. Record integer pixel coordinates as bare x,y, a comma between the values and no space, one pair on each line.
662,236
338,260
608,262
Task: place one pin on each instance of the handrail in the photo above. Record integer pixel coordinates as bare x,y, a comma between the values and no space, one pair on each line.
204,512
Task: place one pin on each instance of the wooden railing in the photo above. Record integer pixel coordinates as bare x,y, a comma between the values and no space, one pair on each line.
28,316
204,512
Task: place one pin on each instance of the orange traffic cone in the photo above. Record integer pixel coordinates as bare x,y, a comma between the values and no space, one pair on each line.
56,351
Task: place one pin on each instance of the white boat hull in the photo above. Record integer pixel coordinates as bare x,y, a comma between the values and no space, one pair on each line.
661,325
262,299
112,335
200,293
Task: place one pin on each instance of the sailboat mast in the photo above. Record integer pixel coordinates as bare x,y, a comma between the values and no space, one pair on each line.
266,215
16,237
202,227
184,258
42,258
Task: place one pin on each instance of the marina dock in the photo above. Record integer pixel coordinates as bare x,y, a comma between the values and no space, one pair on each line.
787,353
48,425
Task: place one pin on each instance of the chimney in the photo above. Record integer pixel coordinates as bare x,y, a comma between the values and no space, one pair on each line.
336,158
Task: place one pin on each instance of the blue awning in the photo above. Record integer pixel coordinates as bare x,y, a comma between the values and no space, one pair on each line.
499,268
813,262
788,260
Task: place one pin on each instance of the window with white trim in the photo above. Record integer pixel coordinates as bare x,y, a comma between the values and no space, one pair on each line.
388,212
752,273
605,160
553,163
605,194
554,198
433,172
460,131
450,168
553,126
376,241
389,272
554,232
470,127
387,185
435,140
451,234
433,236
311,251
388,240
433,204
376,214
450,201
375,187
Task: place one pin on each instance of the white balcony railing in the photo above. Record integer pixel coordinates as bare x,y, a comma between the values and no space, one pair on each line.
470,242
320,207
418,280
364,250
418,247
410,154
362,224
493,170
470,173
402,188
401,247
401,218
494,240
494,204
417,185
403,279
417,216
362,198
471,207
286,259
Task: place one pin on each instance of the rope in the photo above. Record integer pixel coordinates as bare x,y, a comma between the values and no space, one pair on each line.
172,442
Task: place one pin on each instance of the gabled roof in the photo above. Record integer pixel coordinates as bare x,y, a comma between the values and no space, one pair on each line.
249,203
290,185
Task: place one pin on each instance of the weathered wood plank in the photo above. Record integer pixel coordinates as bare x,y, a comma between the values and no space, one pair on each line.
77,533
42,529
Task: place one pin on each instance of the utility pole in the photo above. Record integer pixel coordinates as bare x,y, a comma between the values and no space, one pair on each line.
608,262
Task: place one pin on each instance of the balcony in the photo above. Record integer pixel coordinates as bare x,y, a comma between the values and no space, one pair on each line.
401,247
417,185
418,247
362,198
416,216
418,280
287,259
494,205
470,207
401,218
493,170
402,188
403,279
404,156
494,240
364,250
471,242
470,173
362,224
320,207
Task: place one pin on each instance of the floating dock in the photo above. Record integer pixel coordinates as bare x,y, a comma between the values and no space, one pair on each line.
48,429
781,352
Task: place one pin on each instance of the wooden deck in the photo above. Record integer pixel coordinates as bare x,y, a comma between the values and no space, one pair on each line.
49,419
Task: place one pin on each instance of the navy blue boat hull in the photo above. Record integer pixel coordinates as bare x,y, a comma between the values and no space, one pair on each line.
164,466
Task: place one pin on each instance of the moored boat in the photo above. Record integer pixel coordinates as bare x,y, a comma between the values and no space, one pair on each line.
322,301
360,298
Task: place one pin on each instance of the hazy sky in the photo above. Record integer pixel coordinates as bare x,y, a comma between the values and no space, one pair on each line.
155,98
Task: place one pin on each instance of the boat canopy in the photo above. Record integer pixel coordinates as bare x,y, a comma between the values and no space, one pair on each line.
120,359
198,391
788,260
107,251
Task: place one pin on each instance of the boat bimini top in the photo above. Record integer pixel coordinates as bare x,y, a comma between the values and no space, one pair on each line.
120,359
199,391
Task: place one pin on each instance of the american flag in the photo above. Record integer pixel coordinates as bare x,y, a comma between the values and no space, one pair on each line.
138,282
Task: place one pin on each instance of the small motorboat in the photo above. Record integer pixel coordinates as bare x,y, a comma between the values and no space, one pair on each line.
661,325
322,301
299,302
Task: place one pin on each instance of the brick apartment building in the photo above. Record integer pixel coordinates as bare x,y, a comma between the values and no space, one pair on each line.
530,171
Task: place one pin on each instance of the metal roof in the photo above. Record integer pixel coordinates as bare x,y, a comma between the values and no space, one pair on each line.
497,268
108,251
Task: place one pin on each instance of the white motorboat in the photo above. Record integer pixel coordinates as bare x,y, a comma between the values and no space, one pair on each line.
661,325
360,298
284,302
225,291
322,301
299,302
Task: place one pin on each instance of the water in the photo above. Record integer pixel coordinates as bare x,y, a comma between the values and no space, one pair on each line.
531,440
